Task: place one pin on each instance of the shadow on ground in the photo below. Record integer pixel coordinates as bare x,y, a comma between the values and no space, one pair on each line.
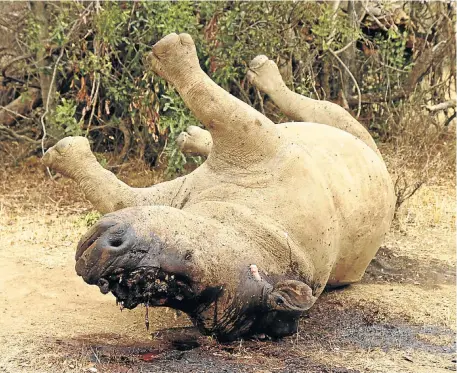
388,266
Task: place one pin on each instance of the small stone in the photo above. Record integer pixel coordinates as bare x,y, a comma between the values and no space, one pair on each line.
408,358
92,370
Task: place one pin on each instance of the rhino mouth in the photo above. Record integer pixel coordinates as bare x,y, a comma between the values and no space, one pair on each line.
139,269
150,286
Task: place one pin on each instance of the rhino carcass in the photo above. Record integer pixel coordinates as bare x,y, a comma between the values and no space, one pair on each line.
248,241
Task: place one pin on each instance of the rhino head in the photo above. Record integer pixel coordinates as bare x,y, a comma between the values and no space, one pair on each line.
122,256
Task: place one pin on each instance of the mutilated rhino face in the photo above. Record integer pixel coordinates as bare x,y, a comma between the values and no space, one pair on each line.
139,267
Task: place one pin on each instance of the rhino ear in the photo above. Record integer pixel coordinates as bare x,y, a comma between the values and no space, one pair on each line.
291,295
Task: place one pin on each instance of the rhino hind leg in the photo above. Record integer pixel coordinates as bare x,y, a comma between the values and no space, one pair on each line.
241,135
264,74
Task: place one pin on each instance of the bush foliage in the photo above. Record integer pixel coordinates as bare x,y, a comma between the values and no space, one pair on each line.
96,50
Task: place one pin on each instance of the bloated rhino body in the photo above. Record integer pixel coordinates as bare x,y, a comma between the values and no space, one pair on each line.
248,241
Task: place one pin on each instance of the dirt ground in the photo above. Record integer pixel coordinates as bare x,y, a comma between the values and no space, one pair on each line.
400,318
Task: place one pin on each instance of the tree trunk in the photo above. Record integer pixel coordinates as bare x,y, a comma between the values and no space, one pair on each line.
325,78
127,140
44,62
349,55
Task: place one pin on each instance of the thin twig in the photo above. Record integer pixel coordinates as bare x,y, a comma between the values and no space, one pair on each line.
450,119
101,127
259,95
94,104
95,355
359,94
7,79
159,160
441,106
297,335
393,68
344,102
339,51
14,60
15,136
254,24
378,22
13,112
313,83
43,126
242,91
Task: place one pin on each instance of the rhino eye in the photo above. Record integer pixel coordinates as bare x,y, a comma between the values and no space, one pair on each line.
279,301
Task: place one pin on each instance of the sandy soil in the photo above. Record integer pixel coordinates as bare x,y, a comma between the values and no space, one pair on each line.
400,318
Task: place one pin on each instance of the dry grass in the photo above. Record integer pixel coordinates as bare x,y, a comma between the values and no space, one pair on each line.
420,150
379,361
425,225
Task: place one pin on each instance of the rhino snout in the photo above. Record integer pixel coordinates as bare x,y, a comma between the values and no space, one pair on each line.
110,245
137,267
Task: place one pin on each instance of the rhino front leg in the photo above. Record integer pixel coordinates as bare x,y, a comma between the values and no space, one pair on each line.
195,141
264,74
73,158
241,135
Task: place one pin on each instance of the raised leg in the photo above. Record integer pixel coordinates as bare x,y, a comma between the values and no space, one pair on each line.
73,158
195,141
264,74
241,135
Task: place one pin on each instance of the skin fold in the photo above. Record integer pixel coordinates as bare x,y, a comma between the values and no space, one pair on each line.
247,242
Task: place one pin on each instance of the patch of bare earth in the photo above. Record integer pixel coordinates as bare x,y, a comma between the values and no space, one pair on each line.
400,318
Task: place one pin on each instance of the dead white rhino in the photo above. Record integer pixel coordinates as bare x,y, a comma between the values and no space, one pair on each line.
248,241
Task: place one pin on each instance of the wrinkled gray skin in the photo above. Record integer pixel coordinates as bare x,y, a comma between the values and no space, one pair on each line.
248,241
